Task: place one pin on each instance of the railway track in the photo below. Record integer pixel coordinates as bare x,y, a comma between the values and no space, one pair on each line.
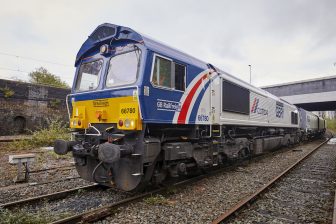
53,171
14,138
102,212
92,213
262,210
37,183
48,197
53,168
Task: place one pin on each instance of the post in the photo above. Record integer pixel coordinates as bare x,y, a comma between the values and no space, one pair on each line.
250,73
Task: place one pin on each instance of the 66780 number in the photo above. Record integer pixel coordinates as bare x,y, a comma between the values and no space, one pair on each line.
129,110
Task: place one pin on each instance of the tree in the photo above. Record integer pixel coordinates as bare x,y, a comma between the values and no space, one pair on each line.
43,76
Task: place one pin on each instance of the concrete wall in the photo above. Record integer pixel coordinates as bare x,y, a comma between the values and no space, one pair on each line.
306,87
313,95
29,106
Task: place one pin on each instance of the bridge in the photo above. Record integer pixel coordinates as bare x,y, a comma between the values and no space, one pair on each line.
311,94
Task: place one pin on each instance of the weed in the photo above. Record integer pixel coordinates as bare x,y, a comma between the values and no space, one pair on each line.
156,200
8,217
81,191
331,124
55,103
55,156
7,92
44,136
171,190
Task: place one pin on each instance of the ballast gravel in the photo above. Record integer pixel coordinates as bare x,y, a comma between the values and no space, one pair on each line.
72,204
305,195
205,200
15,193
75,203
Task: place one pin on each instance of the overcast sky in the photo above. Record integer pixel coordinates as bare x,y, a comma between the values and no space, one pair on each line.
284,41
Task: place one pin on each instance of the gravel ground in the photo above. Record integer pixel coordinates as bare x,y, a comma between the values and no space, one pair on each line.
73,204
207,199
9,194
305,195
44,159
9,191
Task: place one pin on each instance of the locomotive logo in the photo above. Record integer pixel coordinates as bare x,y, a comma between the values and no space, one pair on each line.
279,110
256,109
100,103
168,105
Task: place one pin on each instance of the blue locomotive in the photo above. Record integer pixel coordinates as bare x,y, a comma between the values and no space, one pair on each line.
142,111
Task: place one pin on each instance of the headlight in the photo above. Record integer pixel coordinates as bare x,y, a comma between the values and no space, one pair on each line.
127,123
104,49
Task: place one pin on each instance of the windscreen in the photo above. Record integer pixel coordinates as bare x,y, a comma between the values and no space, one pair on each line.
88,76
123,69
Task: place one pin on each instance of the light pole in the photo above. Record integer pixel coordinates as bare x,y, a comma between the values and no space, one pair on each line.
250,72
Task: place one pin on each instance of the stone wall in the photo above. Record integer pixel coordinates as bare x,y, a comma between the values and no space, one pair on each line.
26,106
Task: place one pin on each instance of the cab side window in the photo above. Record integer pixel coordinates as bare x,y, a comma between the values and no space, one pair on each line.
168,74
180,77
162,72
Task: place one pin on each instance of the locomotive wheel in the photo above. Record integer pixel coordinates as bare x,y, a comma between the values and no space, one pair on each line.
159,176
243,153
288,145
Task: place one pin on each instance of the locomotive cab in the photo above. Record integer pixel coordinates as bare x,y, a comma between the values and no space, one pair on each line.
104,109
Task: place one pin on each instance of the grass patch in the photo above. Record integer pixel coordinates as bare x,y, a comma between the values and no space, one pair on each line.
43,137
156,200
7,217
171,190
55,156
331,124
7,92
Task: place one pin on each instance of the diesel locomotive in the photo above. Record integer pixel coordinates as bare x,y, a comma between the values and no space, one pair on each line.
142,111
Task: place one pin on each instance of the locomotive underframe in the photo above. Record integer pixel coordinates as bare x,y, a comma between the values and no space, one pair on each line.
132,159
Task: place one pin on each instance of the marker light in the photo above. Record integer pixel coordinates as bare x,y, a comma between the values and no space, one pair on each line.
104,49
79,123
121,123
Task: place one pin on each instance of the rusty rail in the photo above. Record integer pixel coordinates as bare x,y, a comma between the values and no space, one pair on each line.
102,212
12,138
52,196
334,211
61,168
246,201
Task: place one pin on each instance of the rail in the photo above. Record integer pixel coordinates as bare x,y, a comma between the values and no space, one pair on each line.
13,138
52,196
246,201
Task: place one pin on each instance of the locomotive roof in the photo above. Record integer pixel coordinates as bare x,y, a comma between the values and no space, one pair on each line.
105,33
